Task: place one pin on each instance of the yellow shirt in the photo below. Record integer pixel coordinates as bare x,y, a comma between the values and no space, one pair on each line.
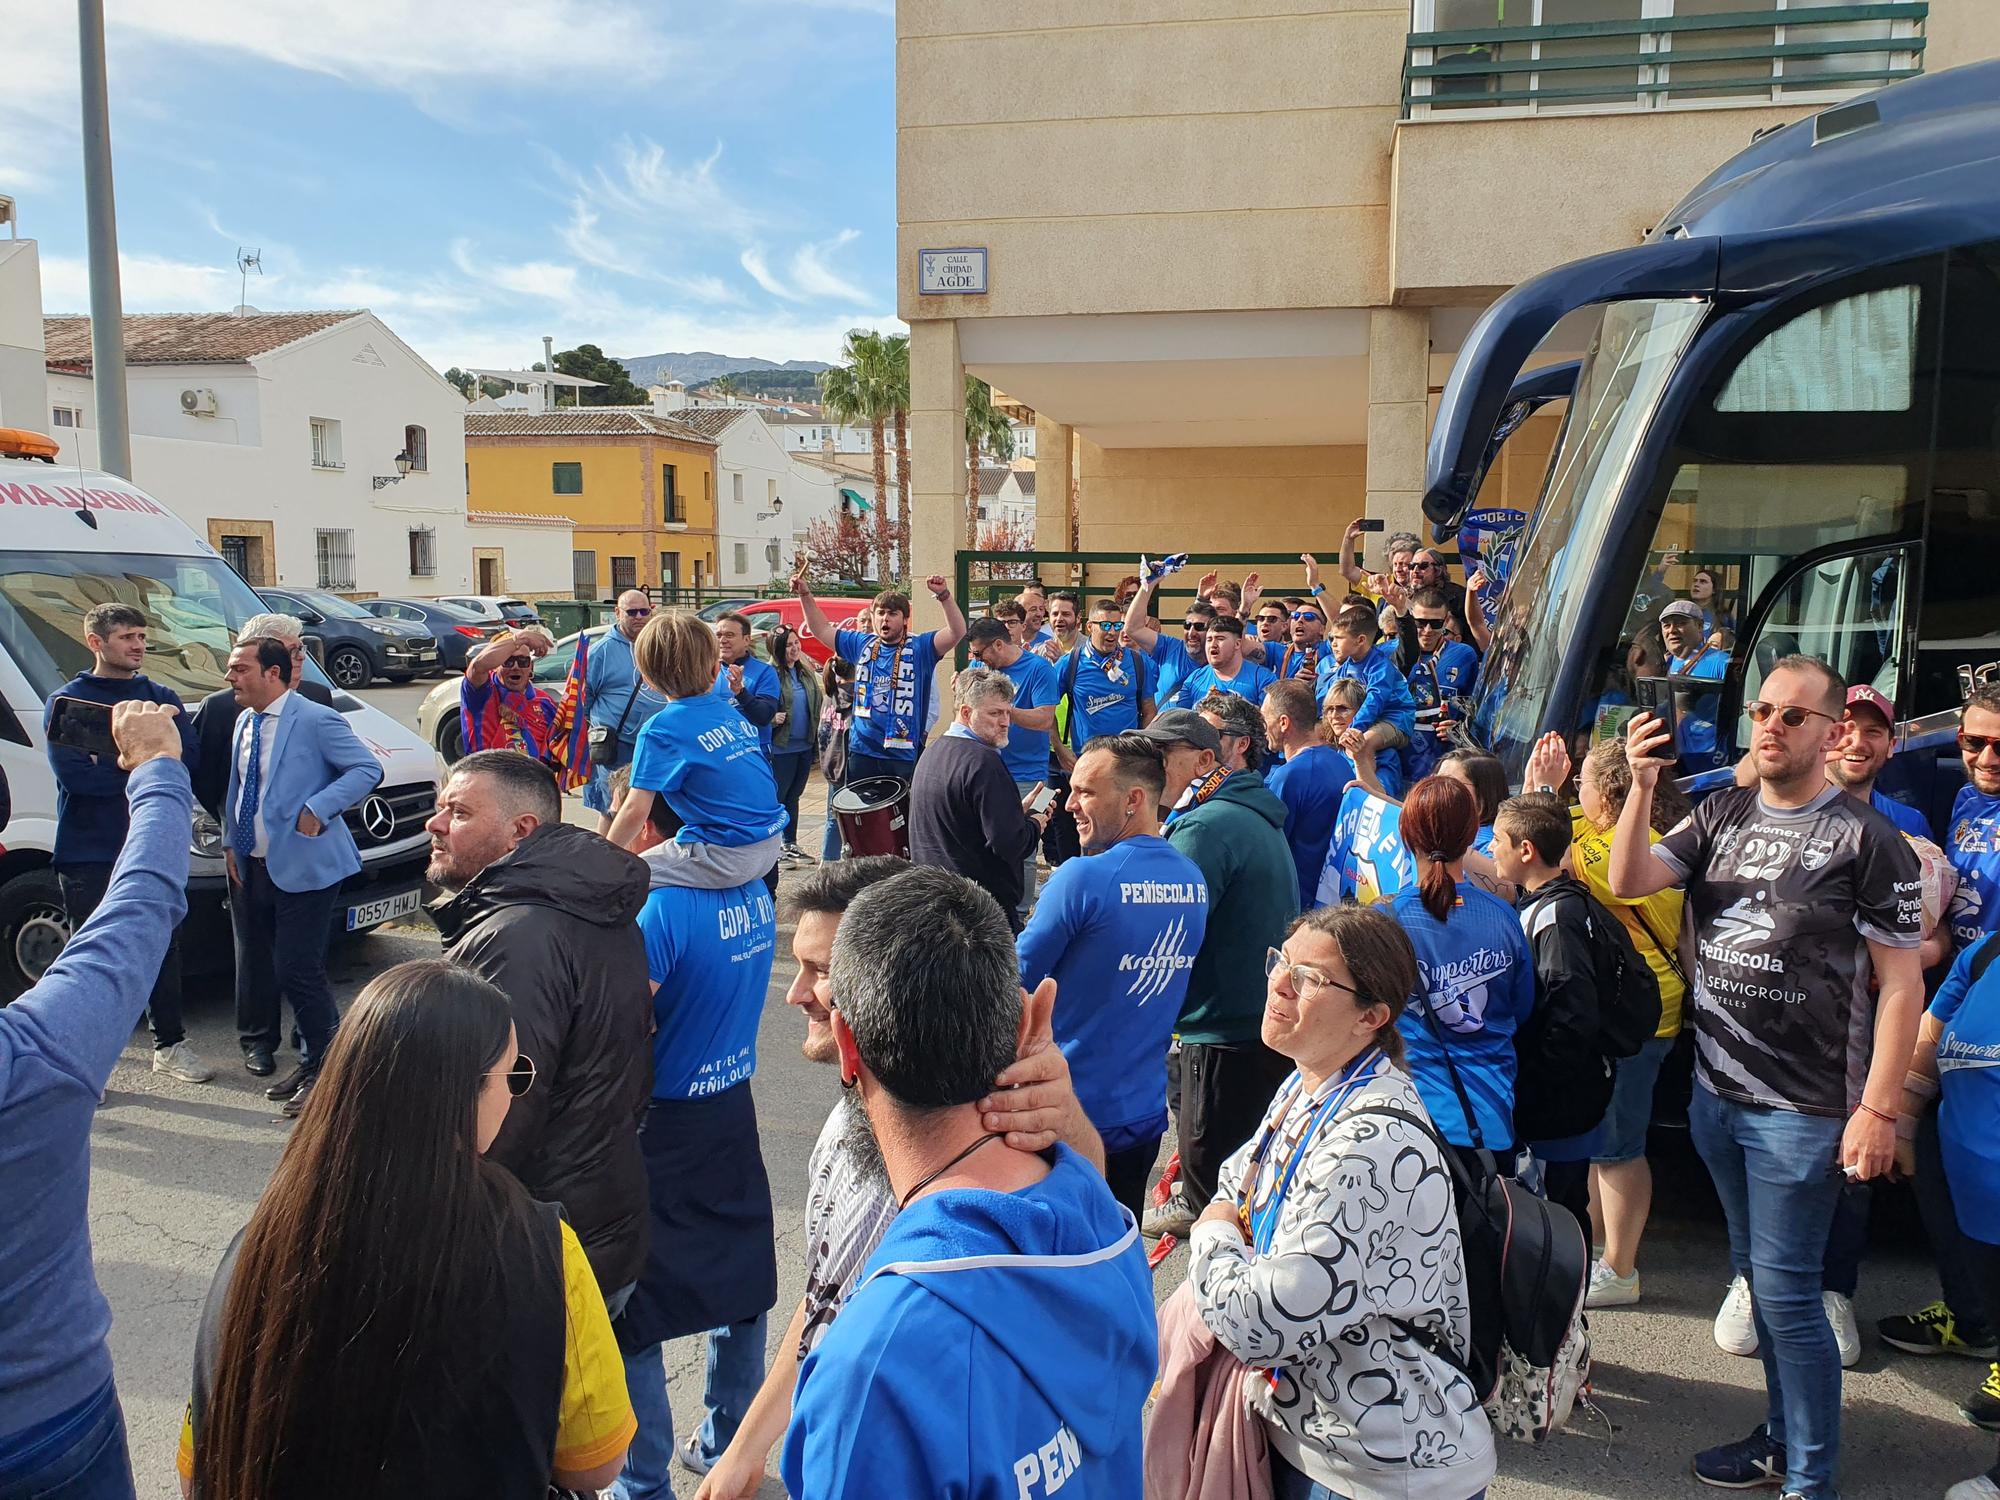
1659,913
596,1424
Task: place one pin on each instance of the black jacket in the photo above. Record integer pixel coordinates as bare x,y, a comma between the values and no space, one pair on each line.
215,733
1563,1080
965,815
553,924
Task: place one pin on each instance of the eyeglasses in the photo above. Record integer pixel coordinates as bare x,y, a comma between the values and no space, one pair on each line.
1429,622
1976,745
520,1077
1791,715
1272,619
518,661
1307,980
637,614
1109,627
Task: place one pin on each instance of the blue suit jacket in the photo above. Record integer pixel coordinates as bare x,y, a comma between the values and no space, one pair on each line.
317,763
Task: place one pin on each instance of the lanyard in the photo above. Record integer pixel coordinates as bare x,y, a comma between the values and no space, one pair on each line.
1260,1225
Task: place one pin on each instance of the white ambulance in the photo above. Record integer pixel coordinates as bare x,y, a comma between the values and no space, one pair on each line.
72,538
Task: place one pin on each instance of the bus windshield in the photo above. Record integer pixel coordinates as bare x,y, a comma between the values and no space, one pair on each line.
193,607
1619,384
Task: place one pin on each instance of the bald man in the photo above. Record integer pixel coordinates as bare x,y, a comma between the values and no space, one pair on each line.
616,700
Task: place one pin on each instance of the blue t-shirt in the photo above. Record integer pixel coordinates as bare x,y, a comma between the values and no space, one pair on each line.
1119,931
1388,699
1106,695
1697,721
1175,661
760,680
609,678
1310,784
1476,979
1249,682
710,954
1972,844
1901,814
892,692
703,757
1435,680
1026,753
1969,1093
1303,662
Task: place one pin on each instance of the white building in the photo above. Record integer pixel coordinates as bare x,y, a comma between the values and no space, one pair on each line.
1007,497
285,437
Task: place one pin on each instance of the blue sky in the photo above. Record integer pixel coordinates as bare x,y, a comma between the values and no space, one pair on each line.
644,176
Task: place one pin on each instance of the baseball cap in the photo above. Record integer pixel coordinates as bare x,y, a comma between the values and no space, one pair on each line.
1683,609
1183,726
1862,693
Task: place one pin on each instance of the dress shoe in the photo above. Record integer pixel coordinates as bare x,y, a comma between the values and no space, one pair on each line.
259,1063
295,1106
289,1085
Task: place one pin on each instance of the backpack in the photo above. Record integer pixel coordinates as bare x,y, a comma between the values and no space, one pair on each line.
1628,991
1527,1267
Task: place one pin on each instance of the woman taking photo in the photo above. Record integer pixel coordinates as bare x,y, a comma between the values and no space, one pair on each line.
794,733
1476,978
399,1317
1288,1270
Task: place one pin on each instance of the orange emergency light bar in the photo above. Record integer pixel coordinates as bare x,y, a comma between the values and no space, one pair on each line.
19,442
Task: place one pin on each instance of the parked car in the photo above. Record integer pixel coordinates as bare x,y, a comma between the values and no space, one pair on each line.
458,632
352,644
495,609
766,615
437,715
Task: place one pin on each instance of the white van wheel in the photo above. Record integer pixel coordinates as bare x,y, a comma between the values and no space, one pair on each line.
33,928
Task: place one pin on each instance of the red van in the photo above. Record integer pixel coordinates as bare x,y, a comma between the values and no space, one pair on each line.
768,614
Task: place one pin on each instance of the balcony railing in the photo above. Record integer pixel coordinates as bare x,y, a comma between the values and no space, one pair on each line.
1680,53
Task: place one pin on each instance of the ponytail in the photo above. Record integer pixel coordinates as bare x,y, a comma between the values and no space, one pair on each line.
1440,820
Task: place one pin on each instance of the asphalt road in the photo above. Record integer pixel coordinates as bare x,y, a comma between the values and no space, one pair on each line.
178,1168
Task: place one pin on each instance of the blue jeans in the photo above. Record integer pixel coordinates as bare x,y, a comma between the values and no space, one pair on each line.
735,1370
84,1460
1778,1177
1287,1483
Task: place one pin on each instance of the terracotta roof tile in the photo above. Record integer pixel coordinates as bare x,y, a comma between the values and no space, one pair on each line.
187,338
579,421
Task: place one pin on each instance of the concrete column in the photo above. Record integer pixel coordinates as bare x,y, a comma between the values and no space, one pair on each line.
937,458
1399,359
1053,458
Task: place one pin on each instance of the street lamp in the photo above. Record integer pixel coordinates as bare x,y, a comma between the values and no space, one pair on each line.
383,481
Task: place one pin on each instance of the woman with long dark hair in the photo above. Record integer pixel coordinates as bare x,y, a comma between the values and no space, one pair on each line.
794,733
1476,978
399,1317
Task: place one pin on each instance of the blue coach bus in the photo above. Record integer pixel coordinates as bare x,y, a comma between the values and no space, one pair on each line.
1794,386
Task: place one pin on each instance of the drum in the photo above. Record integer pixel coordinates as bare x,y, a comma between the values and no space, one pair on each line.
872,816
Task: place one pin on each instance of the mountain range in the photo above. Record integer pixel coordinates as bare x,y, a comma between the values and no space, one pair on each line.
692,369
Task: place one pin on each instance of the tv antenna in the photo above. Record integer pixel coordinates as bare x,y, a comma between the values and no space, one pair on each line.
246,262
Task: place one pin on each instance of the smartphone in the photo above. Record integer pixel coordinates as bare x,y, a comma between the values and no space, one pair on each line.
1038,801
1371,523
79,724
1656,696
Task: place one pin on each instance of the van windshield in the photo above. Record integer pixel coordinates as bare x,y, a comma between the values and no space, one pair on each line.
192,605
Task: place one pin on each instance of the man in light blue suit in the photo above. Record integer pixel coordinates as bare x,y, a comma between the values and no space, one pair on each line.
295,767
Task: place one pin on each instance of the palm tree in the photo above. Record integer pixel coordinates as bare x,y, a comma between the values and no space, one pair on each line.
897,349
987,429
859,390
724,386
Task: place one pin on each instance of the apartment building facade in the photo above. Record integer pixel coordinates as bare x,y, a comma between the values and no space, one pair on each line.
1261,229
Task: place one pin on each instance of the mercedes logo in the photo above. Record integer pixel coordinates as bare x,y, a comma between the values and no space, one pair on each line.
378,817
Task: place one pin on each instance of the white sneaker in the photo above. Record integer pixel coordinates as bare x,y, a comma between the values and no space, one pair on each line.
1846,1333
1978,1488
183,1062
1609,1289
1735,1325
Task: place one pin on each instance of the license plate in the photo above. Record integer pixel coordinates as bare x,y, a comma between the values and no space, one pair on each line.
373,913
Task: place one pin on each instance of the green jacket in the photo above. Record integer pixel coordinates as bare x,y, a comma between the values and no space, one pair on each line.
789,737
1238,838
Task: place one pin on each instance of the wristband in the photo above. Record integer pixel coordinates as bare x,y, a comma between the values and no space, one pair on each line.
1316,590
1869,1109
1922,1087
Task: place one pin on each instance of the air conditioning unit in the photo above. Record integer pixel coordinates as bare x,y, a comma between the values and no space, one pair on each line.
198,403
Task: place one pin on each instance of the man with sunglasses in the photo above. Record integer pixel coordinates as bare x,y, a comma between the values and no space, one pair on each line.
1103,688
499,706
615,699
1429,571
1443,672
1175,659
1800,894
1972,839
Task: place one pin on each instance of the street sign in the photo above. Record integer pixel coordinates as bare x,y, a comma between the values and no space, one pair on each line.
952,273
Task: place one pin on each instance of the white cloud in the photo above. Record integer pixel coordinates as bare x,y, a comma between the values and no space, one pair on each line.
534,278
813,277
148,283
752,260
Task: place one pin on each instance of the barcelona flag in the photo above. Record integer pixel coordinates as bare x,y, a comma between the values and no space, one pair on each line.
569,736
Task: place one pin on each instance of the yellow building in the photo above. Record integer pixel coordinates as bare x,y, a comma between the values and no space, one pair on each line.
1227,250
638,487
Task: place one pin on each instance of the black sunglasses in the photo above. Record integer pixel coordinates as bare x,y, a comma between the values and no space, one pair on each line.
1195,625
1427,622
520,1076
638,614
1976,745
